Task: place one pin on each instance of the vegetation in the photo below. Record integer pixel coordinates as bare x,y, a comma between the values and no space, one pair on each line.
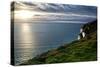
84,49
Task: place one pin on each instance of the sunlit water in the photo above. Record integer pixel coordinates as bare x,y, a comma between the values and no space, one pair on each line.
31,39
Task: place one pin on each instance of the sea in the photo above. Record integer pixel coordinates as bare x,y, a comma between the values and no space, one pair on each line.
34,38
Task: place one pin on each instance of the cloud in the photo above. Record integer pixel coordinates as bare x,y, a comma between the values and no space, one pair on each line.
59,12
49,7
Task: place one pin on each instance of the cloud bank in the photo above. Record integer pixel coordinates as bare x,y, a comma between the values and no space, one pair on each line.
58,12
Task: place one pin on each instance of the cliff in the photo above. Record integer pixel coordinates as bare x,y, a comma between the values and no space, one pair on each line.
87,29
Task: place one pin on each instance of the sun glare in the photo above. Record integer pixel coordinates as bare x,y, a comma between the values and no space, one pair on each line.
23,14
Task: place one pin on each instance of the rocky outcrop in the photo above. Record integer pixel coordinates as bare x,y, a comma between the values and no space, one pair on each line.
82,34
87,29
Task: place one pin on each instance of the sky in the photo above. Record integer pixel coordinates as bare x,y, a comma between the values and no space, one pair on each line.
36,11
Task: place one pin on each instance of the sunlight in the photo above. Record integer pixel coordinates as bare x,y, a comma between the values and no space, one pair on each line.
26,27
23,14
26,33
26,14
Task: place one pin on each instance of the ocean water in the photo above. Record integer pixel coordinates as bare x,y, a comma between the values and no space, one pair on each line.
31,39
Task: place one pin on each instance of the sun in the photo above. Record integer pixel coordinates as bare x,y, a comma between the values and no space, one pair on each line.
23,14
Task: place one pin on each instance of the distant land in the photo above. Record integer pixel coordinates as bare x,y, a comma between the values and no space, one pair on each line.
84,49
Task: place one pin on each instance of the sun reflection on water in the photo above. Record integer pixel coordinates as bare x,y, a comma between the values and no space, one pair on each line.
26,37
26,33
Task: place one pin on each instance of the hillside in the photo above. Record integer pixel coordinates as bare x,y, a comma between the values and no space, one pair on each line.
84,49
